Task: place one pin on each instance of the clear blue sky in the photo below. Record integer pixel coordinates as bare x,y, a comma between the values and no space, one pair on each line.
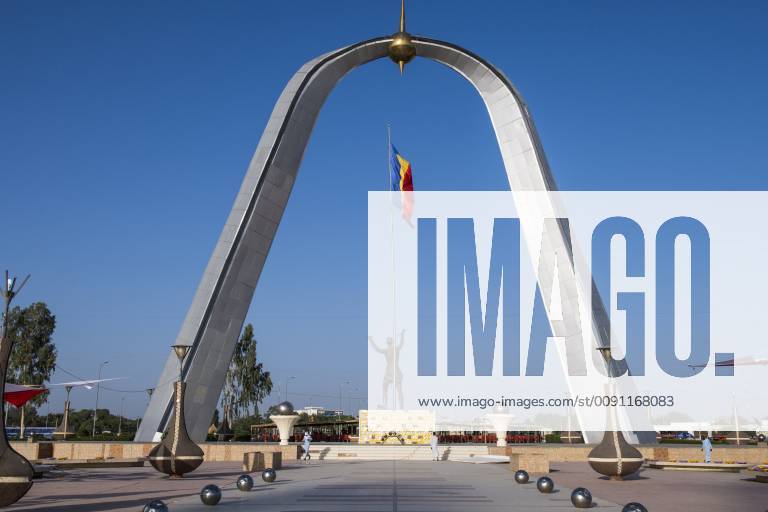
126,128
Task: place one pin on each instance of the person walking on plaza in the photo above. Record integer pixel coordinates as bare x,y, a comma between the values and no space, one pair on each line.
307,441
433,444
706,445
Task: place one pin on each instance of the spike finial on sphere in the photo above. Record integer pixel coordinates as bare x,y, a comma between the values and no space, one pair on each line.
401,50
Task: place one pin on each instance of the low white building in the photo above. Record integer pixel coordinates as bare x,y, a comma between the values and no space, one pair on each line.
312,410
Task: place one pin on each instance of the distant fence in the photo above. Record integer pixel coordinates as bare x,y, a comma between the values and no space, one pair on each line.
46,432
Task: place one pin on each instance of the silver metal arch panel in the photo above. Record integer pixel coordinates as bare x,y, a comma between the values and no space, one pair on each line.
215,318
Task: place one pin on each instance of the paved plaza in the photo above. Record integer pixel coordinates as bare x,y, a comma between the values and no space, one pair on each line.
386,486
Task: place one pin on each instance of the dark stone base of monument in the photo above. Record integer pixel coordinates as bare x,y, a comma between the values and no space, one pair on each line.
177,454
224,432
16,474
614,457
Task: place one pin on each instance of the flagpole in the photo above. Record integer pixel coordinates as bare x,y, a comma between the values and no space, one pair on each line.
394,275
389,161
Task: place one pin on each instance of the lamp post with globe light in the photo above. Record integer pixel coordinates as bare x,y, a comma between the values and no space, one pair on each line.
96,406
67,405
120,421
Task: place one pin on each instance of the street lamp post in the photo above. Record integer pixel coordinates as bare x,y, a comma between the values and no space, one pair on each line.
120,421
149,399
341,396
95,407
349,398
66,412
292,377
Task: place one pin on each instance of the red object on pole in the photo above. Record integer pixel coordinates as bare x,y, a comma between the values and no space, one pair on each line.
19,395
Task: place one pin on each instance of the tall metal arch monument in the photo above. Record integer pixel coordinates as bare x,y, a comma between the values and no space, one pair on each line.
215,318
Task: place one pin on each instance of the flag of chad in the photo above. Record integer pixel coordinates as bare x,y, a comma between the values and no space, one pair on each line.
402,180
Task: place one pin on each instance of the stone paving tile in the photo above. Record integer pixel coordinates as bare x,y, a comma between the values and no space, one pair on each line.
379,486
118,489
387,486
684,491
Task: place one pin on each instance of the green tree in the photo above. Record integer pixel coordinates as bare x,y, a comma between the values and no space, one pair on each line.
242,427
247,383
33,358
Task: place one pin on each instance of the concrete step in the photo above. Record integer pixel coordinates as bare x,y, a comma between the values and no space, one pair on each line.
392,452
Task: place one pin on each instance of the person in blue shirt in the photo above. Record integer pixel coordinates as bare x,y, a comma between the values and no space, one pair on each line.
307,439
706,445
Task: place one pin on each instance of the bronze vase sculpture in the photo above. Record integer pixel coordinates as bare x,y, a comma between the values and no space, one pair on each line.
614,457
15,471
177,454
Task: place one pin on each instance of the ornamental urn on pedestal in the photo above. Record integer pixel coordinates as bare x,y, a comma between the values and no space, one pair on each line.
177,454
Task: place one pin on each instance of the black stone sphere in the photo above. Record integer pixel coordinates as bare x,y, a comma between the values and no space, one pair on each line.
581,498
245,483
269,475
521,476
634,507
545,485
761,438
285,408
155,506
210,495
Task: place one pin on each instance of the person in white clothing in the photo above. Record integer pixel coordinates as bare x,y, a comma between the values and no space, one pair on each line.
433,444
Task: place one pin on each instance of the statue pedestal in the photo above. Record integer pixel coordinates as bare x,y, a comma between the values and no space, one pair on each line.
500,423
284,423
